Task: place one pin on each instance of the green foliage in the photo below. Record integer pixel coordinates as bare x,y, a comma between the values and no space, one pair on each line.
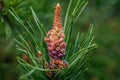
31,40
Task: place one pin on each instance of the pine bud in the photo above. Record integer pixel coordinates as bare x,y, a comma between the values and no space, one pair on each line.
55,41
26,58
39,54
55,37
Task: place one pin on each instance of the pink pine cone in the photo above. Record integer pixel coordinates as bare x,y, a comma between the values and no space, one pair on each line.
55,37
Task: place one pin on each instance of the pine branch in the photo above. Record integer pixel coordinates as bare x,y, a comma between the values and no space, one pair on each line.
40,60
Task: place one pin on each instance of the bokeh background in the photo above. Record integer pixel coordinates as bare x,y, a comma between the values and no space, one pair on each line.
104,14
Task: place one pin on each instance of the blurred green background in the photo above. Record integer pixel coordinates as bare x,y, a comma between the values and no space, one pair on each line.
104,14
